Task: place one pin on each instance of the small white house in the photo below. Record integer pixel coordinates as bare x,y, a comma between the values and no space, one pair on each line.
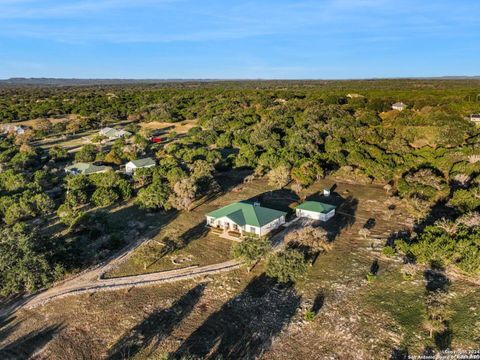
315,210
86,169
475,118
400,106
246,217
113,134
14,129
131,166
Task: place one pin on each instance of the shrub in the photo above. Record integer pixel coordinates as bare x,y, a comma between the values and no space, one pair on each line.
286,266
388,251
22,266
371,277
86,154
103,197
251,249
309,315
154,196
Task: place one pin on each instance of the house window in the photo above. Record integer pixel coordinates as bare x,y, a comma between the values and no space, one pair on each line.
252,229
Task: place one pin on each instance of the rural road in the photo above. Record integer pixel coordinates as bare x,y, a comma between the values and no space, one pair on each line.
91,280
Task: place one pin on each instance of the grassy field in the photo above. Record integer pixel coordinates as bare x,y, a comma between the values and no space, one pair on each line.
242,315
179,127
152,257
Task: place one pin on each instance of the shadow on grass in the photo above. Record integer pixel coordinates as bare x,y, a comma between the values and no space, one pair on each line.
85,243
436,280
443,340
374,267
6,327
157,326
25,346
344,216
399,354
318,303
226,181
245,326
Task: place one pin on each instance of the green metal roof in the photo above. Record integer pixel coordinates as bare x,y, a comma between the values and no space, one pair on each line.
143,162
86,168
316,206
245,213
113,133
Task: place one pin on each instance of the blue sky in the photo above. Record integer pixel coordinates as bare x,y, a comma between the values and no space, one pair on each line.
282,39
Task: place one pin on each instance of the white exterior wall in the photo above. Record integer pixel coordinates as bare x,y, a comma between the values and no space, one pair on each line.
224,223
229,224
129,168
315,215
265,229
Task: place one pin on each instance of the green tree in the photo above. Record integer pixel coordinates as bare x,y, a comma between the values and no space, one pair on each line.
437,312
154,196
69,214
184,193
58,153
251,249
22,266
125,189
286,266
103,197
306,173
11,180
279,177
465,200
86,154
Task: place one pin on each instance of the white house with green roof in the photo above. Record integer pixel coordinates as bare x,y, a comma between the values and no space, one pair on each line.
315,210
86,169
246,217
131,166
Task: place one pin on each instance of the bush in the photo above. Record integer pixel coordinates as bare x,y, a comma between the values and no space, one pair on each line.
22,266
309,315
86,154
286,266
251,249
103,197
58,153
434,245
154,196
388,251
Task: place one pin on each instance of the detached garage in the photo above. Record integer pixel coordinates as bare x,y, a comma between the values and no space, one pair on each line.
315,210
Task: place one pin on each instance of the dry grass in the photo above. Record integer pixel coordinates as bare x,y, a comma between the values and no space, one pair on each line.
356,319
178,127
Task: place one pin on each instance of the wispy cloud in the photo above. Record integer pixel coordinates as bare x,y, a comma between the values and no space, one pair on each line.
163,21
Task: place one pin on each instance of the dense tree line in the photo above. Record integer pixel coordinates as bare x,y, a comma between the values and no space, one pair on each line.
293,132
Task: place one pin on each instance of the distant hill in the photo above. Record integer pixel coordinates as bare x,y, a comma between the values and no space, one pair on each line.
87,82
77,82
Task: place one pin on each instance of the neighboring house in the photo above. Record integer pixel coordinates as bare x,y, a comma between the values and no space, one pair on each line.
354,96
14,129
400,106
86,169
139,163
315,210
246,217
113,134
475,118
